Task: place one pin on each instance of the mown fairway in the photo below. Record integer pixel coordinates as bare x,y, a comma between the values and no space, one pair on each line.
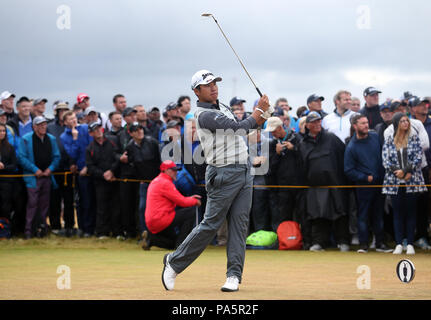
109,269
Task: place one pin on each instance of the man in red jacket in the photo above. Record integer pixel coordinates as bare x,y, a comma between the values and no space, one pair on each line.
169,215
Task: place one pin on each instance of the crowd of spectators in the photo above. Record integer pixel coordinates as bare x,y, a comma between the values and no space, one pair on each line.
85,173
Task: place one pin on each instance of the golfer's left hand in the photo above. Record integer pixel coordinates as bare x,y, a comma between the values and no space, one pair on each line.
263,103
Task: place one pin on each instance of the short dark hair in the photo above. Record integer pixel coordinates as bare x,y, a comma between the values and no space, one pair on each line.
280,100
354,119
112,113
181,99
114,100
300,111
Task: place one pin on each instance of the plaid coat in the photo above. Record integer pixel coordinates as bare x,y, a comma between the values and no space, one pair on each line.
391,163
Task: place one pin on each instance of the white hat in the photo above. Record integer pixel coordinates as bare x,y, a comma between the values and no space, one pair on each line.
89,109
273,123
5,95
203,77
38,120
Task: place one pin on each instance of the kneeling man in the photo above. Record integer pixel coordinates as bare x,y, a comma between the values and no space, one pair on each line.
169,215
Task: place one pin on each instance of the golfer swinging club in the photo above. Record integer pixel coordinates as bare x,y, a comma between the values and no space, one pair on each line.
228,182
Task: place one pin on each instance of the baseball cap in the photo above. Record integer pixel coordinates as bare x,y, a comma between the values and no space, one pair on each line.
22,99
154,109
172,124
314,97
386,105
81,97
370,90
89,109
203,77
395,104
5,95
278,112
94,125
38,120
171,106
135,126
169,164
128,111
39,100
415,101
407,95
235,100
273,123
313,116
2,112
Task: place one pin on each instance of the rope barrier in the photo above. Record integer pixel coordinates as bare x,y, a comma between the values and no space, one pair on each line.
126,180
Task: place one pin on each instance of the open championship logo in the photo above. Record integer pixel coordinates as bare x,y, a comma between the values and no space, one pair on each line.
405,271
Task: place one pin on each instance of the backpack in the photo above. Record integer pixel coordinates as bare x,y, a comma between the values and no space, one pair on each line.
185,182
289,236
5,231
262,240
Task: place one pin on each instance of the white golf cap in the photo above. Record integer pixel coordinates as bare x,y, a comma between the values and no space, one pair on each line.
89,109
273,123
203,77
5,95
38,120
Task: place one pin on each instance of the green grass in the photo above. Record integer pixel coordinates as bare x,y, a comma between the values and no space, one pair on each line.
111,269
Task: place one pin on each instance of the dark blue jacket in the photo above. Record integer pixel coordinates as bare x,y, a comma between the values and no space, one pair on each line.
76,148
363,158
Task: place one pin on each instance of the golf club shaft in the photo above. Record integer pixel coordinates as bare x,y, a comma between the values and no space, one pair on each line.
257,89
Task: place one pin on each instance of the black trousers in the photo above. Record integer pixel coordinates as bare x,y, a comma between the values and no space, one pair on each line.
65,194
6,198
287,203
171,237
108,207
19,206
260,211
321,230
129,196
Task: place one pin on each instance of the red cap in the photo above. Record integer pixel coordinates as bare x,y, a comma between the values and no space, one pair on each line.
81,97
168,164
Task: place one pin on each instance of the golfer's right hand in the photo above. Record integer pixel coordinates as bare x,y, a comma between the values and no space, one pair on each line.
263,103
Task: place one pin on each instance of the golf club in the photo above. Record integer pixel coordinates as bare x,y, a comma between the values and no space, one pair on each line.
212,16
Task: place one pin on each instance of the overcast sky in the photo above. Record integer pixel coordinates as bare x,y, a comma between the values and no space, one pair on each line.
148,50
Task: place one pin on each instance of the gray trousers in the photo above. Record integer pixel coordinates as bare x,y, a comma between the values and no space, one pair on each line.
229,191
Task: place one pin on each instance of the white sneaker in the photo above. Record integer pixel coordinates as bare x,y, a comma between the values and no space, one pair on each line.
231,284
168,274
410,249
316,248
344,247
398,249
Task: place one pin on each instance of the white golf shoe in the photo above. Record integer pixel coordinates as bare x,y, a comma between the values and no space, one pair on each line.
410,249
231,284
398,249
168,274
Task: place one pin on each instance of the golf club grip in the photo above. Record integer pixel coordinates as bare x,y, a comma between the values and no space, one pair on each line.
258,91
